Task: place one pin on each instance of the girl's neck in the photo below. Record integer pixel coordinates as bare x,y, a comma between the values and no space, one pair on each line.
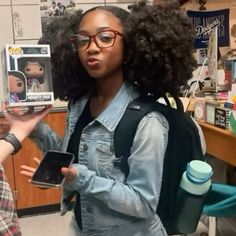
106,89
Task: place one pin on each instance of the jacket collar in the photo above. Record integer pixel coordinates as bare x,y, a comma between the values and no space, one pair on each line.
111,116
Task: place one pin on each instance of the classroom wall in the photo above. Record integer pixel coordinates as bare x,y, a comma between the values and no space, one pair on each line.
20,20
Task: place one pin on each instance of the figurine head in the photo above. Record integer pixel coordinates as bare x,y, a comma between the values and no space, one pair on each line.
16,82
34,70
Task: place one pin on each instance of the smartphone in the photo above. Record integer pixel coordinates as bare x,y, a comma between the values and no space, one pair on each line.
48,173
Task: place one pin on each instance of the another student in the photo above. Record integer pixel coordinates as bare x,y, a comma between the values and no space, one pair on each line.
100,75
10,142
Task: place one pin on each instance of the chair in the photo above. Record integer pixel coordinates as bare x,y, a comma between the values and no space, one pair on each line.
221,202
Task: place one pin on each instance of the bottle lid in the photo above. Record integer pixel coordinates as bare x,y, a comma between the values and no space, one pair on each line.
198,172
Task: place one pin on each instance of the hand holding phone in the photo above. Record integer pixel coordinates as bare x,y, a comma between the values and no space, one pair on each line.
48,173
69,173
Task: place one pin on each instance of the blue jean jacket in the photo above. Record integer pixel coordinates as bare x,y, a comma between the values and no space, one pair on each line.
110,203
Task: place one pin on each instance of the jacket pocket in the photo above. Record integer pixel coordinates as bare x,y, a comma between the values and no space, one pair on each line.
105,155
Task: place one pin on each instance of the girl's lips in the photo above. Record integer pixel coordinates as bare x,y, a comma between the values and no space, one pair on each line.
92,62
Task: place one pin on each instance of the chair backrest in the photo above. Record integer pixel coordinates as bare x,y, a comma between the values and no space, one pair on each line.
221,201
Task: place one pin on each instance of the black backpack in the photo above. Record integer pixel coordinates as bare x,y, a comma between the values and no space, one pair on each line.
183,146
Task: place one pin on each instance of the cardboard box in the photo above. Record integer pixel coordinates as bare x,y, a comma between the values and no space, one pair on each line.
27,79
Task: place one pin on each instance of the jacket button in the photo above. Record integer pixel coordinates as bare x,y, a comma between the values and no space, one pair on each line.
85,147
89,209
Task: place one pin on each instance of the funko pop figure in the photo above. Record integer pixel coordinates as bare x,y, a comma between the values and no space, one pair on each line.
17,86
34,72
31,64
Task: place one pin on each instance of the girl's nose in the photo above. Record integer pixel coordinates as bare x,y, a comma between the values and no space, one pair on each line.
93,47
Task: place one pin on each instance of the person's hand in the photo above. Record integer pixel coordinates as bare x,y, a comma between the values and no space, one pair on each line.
28,170
69,173
22,124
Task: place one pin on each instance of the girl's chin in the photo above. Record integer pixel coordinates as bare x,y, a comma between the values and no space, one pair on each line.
95,74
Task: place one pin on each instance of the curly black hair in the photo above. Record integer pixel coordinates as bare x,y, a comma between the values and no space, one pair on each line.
158,50
69,77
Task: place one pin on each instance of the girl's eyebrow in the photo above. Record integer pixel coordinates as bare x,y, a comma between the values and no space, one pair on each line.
98,29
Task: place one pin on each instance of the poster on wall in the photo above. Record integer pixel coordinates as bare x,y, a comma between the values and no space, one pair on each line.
205,21
57,8
23,17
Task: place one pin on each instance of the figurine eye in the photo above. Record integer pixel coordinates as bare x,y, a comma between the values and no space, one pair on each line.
19,84
40,68
28,69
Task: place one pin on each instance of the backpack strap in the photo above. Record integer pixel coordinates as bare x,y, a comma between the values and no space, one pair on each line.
128,124
179,104
135,111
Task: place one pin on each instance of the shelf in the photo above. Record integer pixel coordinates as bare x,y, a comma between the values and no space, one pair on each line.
220,143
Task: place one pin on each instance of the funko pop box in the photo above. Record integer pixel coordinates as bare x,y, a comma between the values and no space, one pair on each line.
27,77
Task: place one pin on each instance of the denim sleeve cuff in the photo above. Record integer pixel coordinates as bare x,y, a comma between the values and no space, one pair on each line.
82,177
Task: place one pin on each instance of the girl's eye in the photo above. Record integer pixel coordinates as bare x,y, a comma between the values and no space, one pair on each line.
82,40
28,69
105,37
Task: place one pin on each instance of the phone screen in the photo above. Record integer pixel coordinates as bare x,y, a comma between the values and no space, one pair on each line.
48,172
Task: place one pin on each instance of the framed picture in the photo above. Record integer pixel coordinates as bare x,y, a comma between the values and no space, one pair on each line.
57,8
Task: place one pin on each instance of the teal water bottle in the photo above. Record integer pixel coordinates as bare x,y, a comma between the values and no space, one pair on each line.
193,189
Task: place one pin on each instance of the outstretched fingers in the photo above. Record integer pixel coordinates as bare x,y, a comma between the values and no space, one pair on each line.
28,170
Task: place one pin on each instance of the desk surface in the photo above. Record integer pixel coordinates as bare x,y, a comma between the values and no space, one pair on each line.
220,143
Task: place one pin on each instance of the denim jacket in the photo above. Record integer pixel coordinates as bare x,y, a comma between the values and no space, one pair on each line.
110,203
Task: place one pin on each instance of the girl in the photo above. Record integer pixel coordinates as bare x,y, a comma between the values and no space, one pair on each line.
105,69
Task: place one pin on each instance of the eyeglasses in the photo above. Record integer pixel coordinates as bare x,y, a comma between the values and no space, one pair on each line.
103,39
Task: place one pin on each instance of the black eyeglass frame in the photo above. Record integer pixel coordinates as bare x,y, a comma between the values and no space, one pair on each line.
73,39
